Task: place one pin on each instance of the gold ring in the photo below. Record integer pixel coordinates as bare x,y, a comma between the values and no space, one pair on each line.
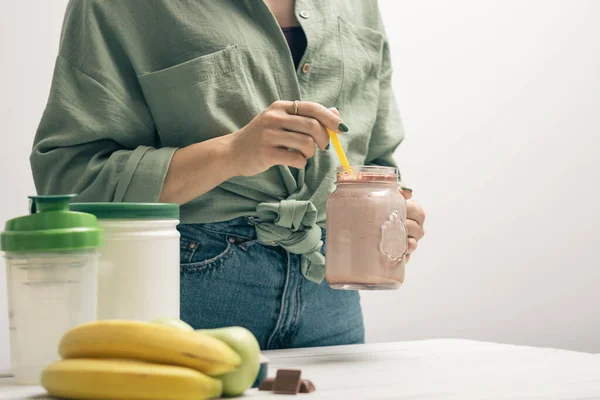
295,107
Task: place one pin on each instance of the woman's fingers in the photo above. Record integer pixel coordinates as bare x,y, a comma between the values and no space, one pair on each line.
415,218
294,140
406,192
307,126
412,245
415,212
414,229
305,117
280,156
326,117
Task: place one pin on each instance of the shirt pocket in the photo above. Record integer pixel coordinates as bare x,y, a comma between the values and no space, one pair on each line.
200,99
361,51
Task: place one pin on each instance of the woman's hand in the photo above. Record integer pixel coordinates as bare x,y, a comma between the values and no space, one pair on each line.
266,141
263,143
415,218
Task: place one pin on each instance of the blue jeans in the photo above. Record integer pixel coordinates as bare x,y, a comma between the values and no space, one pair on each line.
228,278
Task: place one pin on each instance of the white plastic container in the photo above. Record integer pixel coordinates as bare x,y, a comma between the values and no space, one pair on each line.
138,276
52,265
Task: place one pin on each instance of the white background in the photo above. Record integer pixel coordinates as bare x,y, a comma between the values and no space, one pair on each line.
501,103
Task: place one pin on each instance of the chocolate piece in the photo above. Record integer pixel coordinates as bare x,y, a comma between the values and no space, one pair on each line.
266,384
287,381
307,386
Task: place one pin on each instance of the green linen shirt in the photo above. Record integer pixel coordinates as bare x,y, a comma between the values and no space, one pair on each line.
136,80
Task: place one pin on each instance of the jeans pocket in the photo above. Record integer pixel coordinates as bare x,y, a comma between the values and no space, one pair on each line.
201,250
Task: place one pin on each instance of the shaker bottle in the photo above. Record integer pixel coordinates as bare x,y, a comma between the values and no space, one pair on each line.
366,230
51,264
138,273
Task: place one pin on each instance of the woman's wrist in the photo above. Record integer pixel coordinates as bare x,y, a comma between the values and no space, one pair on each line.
226,157
199,168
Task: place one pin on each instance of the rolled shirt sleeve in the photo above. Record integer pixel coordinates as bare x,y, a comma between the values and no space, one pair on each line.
96,137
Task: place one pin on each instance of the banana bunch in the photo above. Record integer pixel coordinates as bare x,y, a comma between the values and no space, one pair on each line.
124,360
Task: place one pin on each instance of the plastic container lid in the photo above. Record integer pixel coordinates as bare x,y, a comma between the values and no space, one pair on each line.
129,211
51,227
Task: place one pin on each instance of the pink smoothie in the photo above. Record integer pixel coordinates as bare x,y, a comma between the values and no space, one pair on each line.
366,233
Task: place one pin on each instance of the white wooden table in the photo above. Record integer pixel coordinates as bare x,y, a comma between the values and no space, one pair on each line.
431,369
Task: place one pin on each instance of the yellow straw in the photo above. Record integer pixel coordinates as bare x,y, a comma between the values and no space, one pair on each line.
339,150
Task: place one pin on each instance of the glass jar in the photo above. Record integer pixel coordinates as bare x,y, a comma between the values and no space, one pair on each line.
366,230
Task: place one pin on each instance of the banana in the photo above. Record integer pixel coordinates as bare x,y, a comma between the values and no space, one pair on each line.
149,342
85,379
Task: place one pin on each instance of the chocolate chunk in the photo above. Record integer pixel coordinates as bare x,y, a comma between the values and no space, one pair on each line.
287,381
266,384
307,386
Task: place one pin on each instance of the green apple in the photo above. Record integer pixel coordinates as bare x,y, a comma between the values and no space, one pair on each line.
243,342
174,322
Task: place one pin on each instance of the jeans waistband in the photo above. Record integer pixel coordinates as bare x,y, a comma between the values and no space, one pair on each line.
242,227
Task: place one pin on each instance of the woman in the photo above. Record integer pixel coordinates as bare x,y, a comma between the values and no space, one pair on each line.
193,102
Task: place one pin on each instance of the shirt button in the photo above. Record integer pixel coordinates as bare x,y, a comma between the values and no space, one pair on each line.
306,68
304,14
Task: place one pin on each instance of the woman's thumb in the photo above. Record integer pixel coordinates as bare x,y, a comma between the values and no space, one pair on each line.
406,192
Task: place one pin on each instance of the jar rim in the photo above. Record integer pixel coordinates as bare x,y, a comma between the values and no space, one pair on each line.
367,173
372,169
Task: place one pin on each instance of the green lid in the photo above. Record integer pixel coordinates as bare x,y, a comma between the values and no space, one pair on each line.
51,227
130,211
